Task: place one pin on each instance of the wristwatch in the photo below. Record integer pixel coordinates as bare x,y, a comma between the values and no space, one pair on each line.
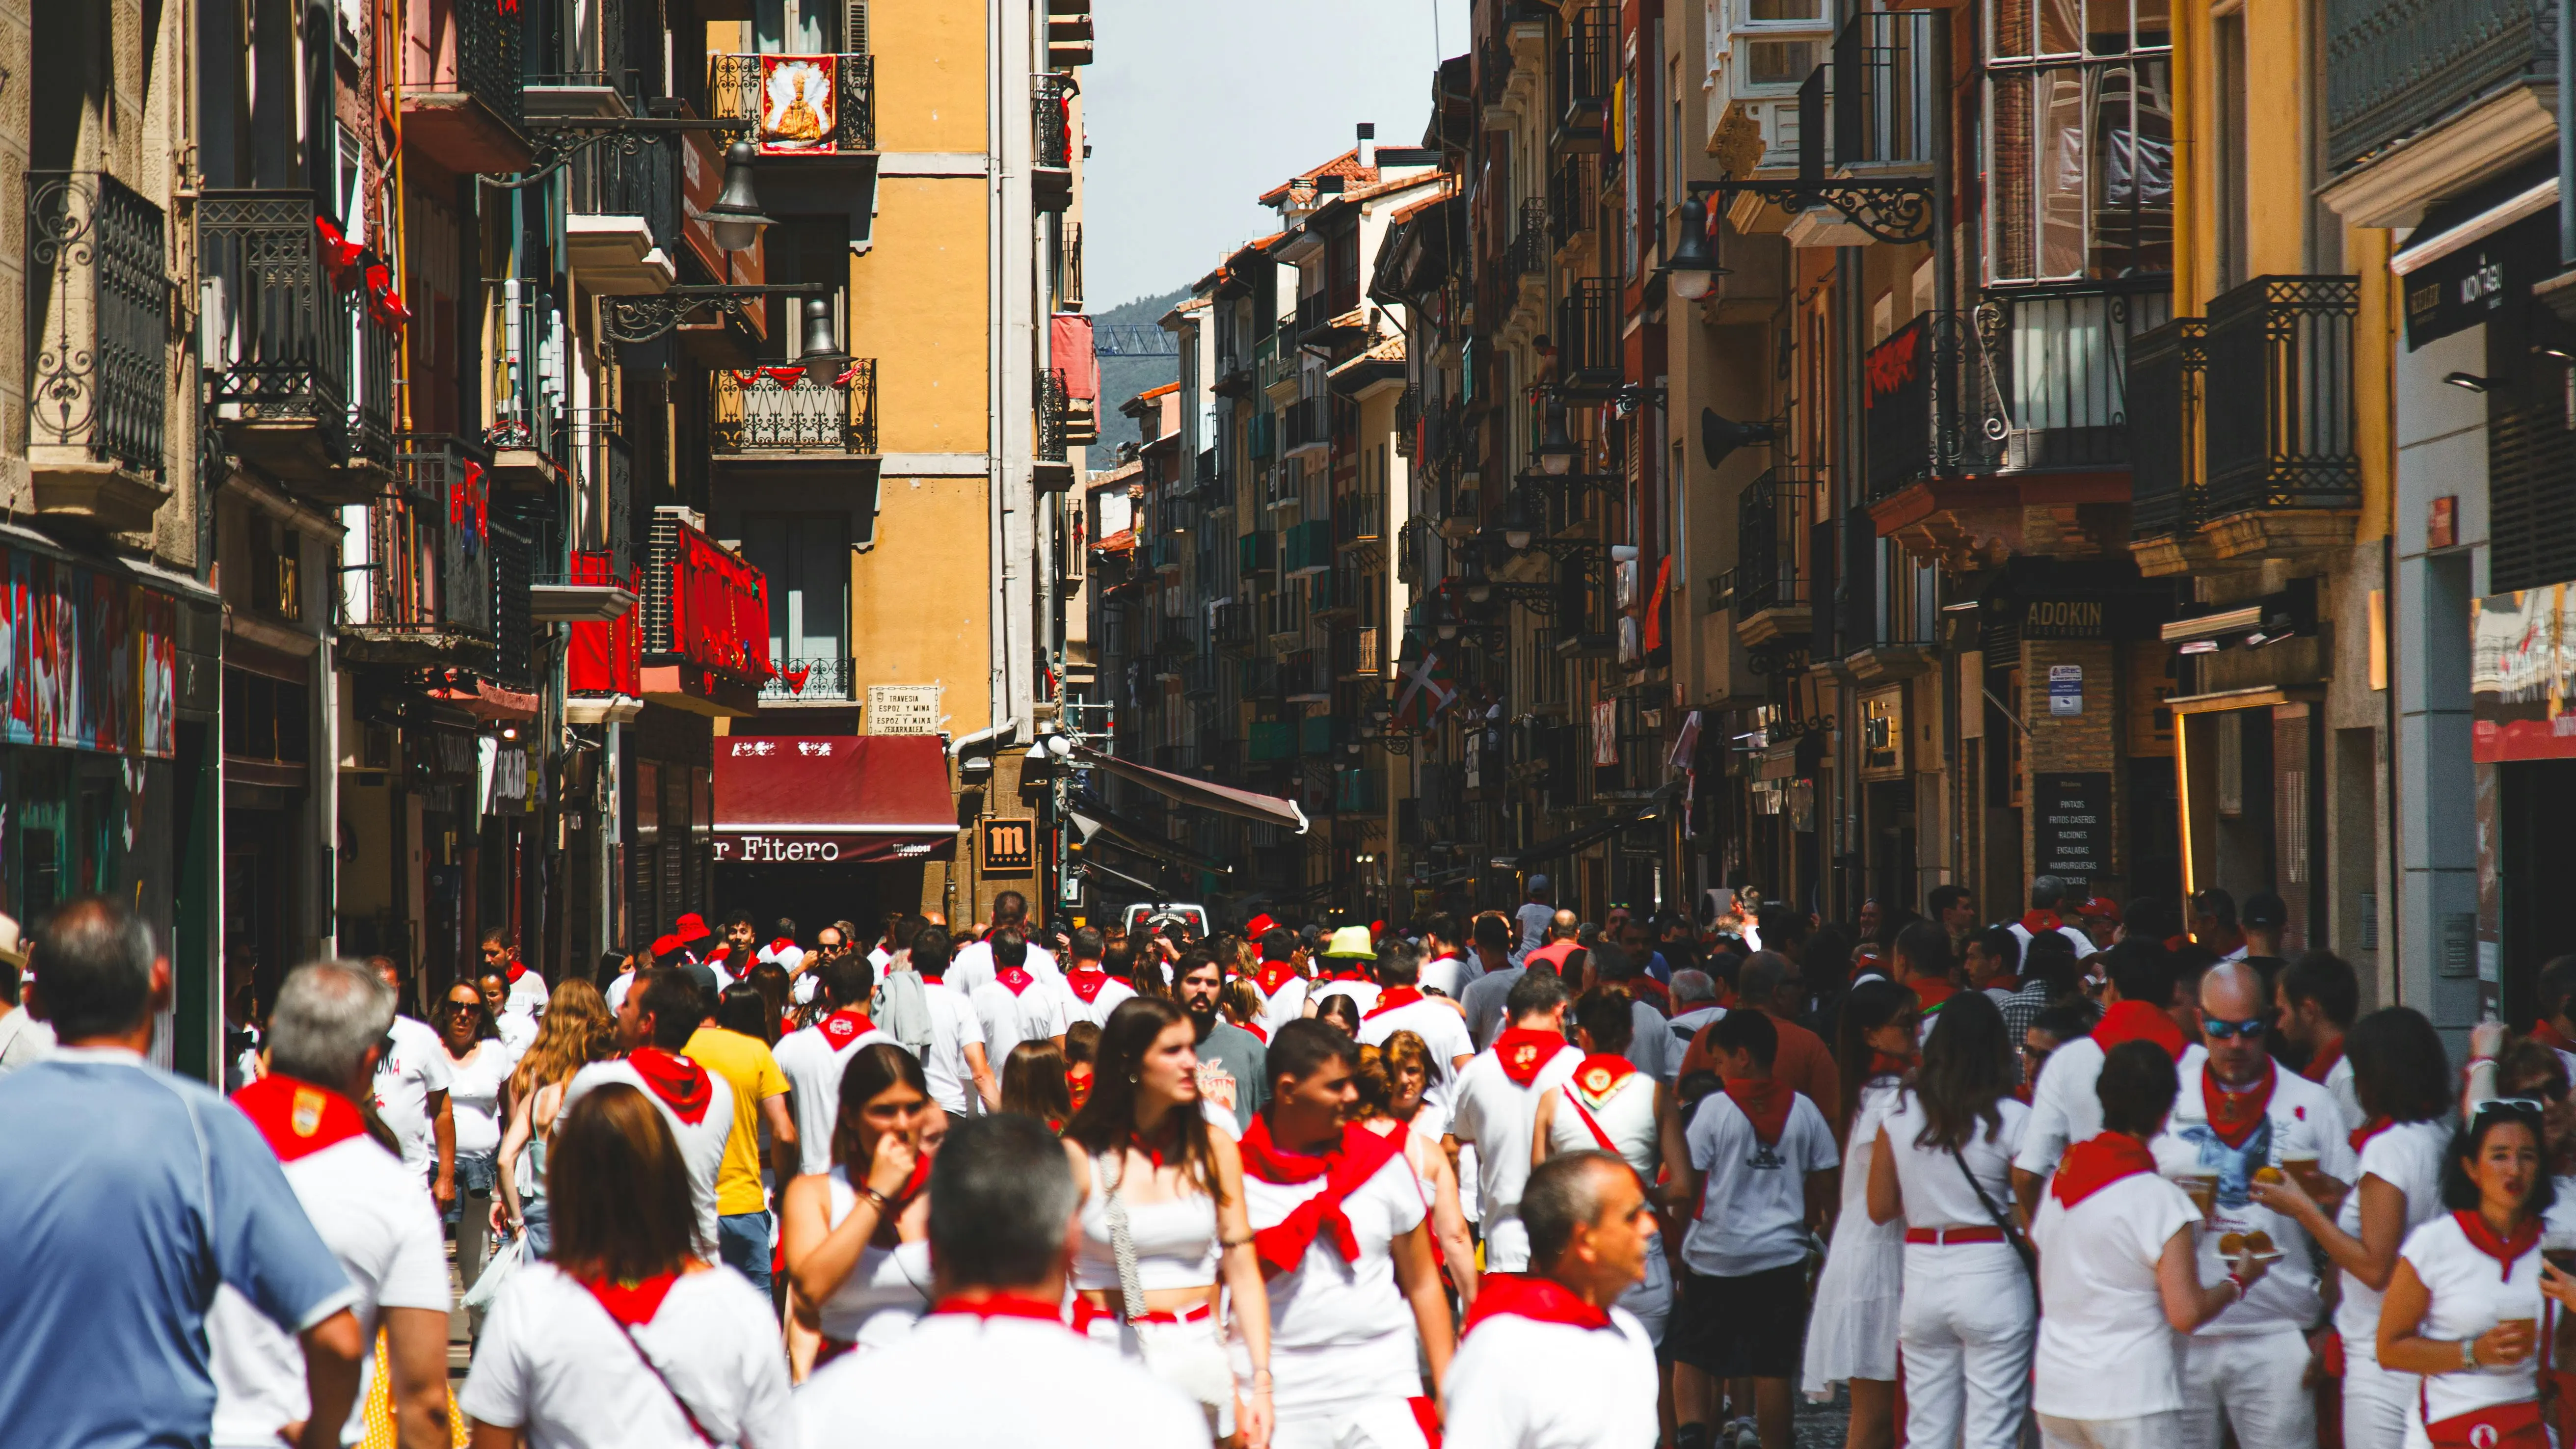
2468,1353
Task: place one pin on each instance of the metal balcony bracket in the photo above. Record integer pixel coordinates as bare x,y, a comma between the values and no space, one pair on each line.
641,319
1897,212
553,144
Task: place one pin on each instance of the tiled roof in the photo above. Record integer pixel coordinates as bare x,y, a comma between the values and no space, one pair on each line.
1448,188
1346,165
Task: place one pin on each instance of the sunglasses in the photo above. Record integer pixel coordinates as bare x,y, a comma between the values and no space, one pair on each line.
2528,1106
474,1005
2222,1030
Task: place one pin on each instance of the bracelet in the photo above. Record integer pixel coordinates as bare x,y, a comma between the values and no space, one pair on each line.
879,1200
2468,1353
2239,1284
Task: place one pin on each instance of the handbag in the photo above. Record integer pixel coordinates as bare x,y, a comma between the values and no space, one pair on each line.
504,1261
1185,1355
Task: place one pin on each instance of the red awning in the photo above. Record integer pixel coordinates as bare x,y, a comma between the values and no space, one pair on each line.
784,799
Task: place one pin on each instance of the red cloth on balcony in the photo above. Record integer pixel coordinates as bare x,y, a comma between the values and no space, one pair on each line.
1071,353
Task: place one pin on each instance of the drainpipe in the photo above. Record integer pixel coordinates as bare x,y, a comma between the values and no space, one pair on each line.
2566,136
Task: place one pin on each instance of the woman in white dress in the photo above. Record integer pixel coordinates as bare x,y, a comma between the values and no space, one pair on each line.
1391,1081
857,1239
1851,1334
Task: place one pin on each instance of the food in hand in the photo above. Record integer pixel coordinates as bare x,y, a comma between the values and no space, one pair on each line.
2258,1242
2230,1244
2271,1175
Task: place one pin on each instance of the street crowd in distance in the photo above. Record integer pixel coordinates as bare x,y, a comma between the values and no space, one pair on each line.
2113,1176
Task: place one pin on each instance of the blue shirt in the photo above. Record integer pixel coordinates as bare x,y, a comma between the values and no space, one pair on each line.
126,1196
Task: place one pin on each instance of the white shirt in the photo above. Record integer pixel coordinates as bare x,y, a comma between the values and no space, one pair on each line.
416,1067
1363,992
1626,1116
2408,1157
1497,1114
953,1028
615,995
2303,1121
1288,1004
1591,1389
702,1143
791,955
1097,1009
376,1217
553,1364
1753,1212
2063,1107
2105,1350
1450,975
962,1382
2347,1096
1444,1031
527,995
813,1071
474,1095
2471,1293
518,1033
1009,1018
1936,1194
2082,943
1647,1035
972,966
24,1041
1327,1301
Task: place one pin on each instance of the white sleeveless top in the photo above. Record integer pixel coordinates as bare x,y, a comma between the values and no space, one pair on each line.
1626,1115
1176,1242
887,1291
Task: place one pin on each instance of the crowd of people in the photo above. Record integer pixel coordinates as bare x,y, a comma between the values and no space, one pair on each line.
2110,1176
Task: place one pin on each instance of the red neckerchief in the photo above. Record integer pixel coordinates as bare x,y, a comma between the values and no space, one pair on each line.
1597,1077
2362,1134
683,1085
517,969
719,955
2129,1021
298,1118
1932,992
1391,998
2096,1163
2005,983
1017,979
2547,1034
1344,1166
1086,982
1888,1064
2234,1112
844,1027
2505,1251
781,944
2039,922
1002,1305
1524,1049
1274,975
1078,1086
2323,1062
1350,973
1259,1032
1541,1300
631,1304
1764,1103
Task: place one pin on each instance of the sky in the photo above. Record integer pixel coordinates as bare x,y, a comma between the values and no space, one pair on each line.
1196,107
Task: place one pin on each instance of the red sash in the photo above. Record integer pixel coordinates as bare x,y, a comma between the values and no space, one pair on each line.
298,1118
1391,998
2129,1021
1541,1300
2234,1114
1344,1166
631,1304
1764,1103
683,1085
2096,1163
1522,1050
1086,984
844,1027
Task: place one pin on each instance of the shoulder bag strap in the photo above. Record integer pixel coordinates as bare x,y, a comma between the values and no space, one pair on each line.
2011,1230
1122,1245
1590,1123
659,1377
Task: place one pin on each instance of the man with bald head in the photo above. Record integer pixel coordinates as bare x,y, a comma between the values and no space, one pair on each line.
2239,1115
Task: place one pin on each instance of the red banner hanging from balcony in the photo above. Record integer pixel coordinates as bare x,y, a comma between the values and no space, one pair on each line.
720,610
605,656
1069,343
799,104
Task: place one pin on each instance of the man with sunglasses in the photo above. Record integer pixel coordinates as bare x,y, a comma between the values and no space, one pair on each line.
2239,1115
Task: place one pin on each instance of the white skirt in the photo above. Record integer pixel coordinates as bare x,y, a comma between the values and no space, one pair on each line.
1851,1331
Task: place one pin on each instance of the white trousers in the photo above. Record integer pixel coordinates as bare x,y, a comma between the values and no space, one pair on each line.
2253,1381
1965,1330
2376,1403
1377,1424
2147,1431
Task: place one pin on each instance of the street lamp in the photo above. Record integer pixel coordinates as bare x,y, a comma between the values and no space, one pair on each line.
735,220
1515,522
1692,270
1556,448
821,353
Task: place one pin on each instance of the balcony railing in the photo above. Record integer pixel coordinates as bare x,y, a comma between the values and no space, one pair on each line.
823,679
1355,653
1586,67
1359,517
1408,423
2060,363
1305,423
703,605
98,307
605,657
1307,549
1068,267
529,373
791,121
1054,415
2393,66
1571,198
2167,369
611,181
1256,552
1274,360
279,328
512,561
1771,544
425,578
605,465
1359,790
1051,112
1589,355
2279,401
787,408
1531,248
1929,399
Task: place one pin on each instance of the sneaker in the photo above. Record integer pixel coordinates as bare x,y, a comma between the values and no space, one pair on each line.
1741,1434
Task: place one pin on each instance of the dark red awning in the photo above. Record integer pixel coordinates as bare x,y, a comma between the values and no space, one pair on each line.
787,799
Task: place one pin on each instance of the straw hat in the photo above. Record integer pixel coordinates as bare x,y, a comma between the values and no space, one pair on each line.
12,951
1351,941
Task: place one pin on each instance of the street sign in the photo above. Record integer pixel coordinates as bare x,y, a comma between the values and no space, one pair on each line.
903,709
2065,690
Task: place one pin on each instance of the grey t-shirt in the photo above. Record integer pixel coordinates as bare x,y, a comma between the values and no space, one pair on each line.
1534,917
1484,1004
1241,1058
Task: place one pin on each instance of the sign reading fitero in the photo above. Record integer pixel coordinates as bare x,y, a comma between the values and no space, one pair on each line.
903,709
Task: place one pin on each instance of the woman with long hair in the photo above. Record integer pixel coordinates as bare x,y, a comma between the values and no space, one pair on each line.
626,1339
2463,1309
1163,1219
1391,1081
2404,1077
1943,1163
478,1063
1340,1009
1081,1052
1033,1083
1851,1335
744,1009
856,1239
577,1031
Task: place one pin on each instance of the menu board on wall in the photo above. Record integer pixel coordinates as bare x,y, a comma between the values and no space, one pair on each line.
2074,823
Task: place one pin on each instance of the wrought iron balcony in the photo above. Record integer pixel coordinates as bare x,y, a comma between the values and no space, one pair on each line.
2059,368
1068,270
1051,118
530,438
1275,358
1308,549
785,410
2395,66
704,609
1572,198
1586,71
622,215
1771,543
819,679
1408,423
2279,404
515,660
1305,425
1359,517
420,592
288,388
1590,355
97,314
1930,405
2167,369
1355,653
1054,415
1531,248
806,105
461,101
604,466
1256,552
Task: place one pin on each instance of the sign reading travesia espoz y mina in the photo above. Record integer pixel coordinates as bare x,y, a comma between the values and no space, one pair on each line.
2074,836
903,709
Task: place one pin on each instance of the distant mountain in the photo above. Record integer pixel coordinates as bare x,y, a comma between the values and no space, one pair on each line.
1121,378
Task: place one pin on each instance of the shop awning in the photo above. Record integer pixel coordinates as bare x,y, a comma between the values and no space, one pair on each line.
1097,820
782,799
1572,841
1205,794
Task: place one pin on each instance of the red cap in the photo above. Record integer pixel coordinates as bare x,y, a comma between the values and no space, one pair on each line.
691,927
2102,906
665,945
1377,928
1259,924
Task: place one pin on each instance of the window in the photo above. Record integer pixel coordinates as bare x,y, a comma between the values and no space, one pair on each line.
2227,35
2080,96
806,557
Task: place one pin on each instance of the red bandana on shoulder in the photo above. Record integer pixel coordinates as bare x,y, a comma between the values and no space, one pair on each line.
1350,973
631,1304
1002,1305
2097,1162
1598,1078
1523,1050
1345,1165
298,1118
1391,998
2235,1113
2323,1062
2506,1251
1016,978
1765,1105
2038,922
1542,1300
844,1027
1273,975
517,969
683,1085
1086,983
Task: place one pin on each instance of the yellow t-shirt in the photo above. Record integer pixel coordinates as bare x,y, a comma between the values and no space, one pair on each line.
747,1067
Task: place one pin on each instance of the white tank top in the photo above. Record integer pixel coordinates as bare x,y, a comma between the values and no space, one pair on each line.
887,1291
1626,1115
1176,1243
